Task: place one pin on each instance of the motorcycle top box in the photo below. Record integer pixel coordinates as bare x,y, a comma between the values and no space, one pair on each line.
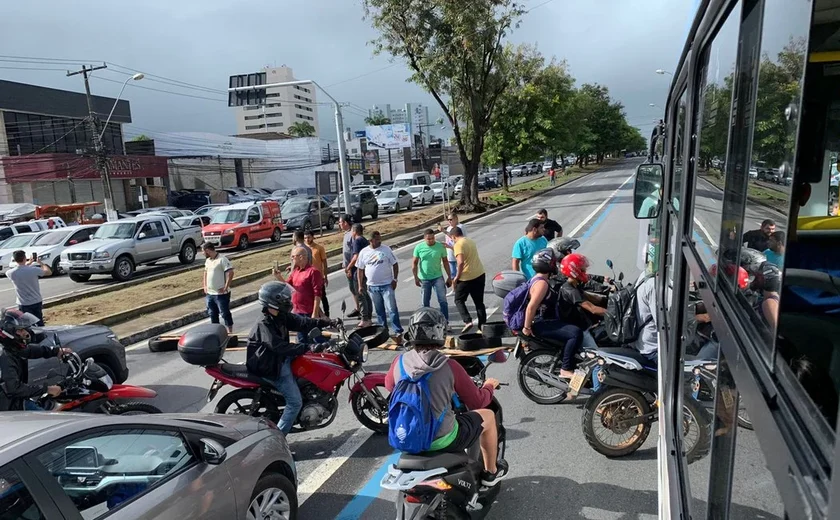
203,345
506,281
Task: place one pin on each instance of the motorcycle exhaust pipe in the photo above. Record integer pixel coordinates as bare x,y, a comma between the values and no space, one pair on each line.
547,378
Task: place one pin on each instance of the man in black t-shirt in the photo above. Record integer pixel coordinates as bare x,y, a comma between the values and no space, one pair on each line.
758,238
357,243
574,307
552,228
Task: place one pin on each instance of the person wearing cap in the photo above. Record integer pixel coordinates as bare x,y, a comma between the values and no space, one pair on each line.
552,228
218,275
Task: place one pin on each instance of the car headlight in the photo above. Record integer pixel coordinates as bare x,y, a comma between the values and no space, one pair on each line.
45,256
102,254
229,232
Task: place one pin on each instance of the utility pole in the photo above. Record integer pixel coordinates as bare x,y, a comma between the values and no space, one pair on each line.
99,147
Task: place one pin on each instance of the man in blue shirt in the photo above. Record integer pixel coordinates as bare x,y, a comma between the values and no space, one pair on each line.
525,247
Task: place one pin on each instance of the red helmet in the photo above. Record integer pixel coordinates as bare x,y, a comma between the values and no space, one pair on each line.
743,275
575,266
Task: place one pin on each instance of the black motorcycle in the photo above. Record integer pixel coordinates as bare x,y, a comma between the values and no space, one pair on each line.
448,485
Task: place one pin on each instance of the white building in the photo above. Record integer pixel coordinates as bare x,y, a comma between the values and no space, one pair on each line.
283,106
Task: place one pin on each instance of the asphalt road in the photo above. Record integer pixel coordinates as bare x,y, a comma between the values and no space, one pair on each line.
554,472
59,286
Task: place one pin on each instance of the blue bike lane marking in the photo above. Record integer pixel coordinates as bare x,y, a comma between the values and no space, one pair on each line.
369,492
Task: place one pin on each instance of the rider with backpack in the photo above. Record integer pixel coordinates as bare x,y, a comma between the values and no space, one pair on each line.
423,383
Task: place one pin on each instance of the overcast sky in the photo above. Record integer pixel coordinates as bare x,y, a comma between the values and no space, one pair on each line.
618,43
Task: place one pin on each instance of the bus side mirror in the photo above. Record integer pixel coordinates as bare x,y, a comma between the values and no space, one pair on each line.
647,191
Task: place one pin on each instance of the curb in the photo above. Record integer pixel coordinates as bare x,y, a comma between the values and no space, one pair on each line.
756,202
195,316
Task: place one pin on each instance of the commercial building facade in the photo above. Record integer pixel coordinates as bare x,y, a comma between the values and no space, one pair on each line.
283,106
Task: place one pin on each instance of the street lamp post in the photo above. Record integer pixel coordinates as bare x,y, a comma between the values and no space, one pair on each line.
662,72
438,121
339,126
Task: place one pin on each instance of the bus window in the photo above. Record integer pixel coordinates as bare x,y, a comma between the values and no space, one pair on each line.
713,119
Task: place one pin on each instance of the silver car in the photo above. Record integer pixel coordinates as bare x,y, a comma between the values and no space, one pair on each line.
154,467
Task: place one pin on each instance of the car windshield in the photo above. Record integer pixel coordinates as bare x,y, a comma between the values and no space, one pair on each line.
280,193
228,216
402,183
354,197
19,241
50,239
184,221
415,189
389,194
296,206
116,230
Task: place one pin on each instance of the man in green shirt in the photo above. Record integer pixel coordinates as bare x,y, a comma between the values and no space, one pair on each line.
430,262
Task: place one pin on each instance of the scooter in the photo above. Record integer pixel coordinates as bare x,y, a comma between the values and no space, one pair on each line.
89,388
448,485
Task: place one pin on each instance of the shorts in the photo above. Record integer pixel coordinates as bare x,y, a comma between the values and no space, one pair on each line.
469,430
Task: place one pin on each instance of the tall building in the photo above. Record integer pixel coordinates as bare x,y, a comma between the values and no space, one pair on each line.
415,114
283,106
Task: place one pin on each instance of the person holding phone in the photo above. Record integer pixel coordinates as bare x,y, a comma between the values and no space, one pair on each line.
25,279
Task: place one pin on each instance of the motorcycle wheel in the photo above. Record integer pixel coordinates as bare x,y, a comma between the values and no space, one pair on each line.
531,386
697,431
242,400
367,415
135,408
612,404
744,418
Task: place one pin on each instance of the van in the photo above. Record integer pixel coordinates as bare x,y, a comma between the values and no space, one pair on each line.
238,225
404,180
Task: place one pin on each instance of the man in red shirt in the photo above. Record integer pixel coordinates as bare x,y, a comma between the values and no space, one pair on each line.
308,284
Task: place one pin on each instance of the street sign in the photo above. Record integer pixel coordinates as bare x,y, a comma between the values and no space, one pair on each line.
327,182
359,133
389,137
246,97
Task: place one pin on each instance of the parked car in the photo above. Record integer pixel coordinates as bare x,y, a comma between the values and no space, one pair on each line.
208,209
88,341
358,187
421,195
32,226
404,180
753,173
144,466
50,244
534,167
194,220
458,188
453,180
386,185
257,193
393,201
492,178
238,225
282,195
237,195
546,165
520,170
160,210
189,199
117,248
14,243
307,214
442,189
362,204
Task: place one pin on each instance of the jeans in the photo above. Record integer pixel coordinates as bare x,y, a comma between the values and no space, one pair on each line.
325,303
474,289
286,384
439,286
385,302
709,351
219,304
36,309
559,331
588,341
453,267
365,304
31,406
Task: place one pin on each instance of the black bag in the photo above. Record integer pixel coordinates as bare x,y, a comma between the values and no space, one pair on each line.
264,363
620,321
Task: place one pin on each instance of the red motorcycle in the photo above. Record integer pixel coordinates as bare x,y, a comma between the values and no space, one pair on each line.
89,388
320,374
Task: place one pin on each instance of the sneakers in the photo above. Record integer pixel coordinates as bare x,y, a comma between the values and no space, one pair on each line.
492,479
467,327
354,314
364,323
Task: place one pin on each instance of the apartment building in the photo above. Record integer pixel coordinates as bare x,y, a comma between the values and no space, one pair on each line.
283,106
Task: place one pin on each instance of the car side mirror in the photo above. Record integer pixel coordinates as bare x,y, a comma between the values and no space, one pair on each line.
212,452
647,191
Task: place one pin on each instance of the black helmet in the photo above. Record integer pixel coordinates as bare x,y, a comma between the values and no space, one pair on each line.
12,321
544,261
427,326
752,260
276,295
562,246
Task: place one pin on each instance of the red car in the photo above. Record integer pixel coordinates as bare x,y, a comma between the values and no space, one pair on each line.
238,225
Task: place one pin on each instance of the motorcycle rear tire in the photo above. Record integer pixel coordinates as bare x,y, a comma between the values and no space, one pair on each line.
523,376
135,408
589,416
703,421
744,420
246,394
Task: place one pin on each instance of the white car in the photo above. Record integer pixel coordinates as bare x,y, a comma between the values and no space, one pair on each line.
50,244
442,189
13,244
753,173
193,220
458,188
394,200
422,194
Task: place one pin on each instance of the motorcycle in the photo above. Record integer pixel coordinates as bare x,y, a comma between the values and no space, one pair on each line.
320,374
626,405
88,388
704,384
448,485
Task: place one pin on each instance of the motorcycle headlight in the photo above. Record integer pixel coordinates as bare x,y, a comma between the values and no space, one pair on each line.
102,254
365,351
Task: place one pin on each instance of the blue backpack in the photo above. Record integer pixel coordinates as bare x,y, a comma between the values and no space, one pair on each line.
411,424
515,303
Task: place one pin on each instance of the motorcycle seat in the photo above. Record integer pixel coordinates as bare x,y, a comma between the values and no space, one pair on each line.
628,353
240,372
422,462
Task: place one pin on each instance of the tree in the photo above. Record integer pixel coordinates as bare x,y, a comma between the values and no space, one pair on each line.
455,51
301,129
377,120
141,137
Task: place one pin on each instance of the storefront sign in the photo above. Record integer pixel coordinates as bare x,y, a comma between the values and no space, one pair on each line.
59,166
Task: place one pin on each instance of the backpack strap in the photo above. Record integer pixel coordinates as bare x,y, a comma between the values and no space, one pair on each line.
403,374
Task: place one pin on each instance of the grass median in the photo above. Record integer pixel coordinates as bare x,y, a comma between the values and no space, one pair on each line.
775,199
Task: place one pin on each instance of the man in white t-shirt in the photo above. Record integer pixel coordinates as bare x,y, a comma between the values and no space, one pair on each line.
450,242
378,267
218,275
24,276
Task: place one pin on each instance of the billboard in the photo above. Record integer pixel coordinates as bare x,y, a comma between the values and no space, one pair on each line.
389,137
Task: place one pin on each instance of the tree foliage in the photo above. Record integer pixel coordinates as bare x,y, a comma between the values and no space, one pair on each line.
301,129
377,120
141,137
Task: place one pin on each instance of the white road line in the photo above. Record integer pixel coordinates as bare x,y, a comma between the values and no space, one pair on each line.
599,208
572,195
409,279
327,469
705,232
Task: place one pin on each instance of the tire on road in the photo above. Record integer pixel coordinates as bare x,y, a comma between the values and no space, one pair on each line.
330,224
136,408
123,268
374,215
530,362
56,269
80,278
187,254
703,422
158,344
495,329
276,235
594,405
470,342
358,216
274,483
374,335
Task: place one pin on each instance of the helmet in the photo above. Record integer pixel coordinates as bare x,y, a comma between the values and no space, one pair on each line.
427,326
752,260
276,295
743,275
562,246
575,266
13,322
544,261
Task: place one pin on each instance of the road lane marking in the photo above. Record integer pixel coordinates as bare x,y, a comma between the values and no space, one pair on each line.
369,492
327,469
599,208
705,232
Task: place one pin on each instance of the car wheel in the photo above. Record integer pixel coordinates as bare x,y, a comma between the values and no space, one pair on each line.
331,224
307,226
244,242
276,235
106,367
79,278
375,214
157,344
56,269
123,269
187,255
396,208
358,216
273,497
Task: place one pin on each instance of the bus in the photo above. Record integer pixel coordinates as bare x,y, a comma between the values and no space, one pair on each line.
757,80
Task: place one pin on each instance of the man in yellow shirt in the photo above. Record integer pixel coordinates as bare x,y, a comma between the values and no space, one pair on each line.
319,262
468,280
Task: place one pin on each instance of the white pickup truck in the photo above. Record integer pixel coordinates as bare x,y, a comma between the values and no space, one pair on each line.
117,248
